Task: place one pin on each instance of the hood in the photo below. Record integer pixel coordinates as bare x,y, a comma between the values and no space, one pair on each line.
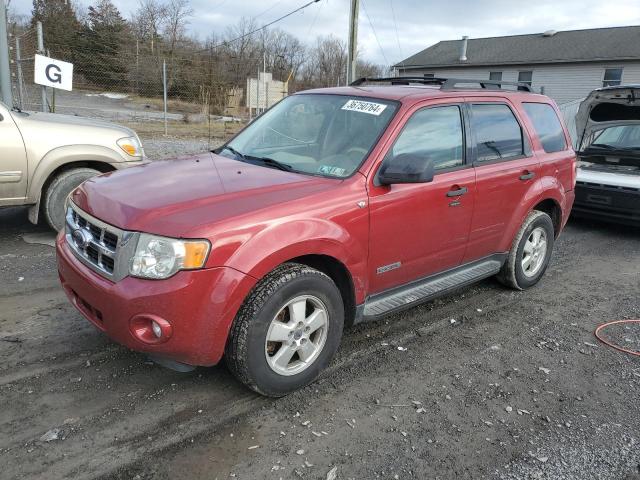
174,197
607,107
57,120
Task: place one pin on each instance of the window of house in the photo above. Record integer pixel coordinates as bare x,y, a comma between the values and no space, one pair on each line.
429,75
497,76
612,77
547,126
525,77
432,134
498,133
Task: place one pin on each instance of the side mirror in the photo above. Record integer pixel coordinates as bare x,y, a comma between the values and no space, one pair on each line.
406,168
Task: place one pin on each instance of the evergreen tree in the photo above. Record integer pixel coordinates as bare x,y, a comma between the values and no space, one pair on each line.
60,26
103,36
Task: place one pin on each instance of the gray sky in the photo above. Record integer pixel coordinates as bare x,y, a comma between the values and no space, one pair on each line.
420,23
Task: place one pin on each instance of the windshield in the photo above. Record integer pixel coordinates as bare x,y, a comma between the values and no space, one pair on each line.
620,137
328,135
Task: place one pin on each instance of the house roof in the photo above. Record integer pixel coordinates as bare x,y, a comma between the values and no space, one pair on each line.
597,44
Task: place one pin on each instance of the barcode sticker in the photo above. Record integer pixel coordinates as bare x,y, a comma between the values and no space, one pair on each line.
365,107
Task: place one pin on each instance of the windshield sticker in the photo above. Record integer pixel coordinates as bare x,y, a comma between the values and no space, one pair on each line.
364,107
329,170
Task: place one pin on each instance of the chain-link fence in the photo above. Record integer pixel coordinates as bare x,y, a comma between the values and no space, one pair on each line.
209,95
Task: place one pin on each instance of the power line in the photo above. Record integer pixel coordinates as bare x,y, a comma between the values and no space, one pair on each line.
268,9
395,23
314,19
227,42
374,33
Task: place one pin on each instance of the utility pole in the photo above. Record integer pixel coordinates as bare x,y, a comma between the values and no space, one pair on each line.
353,41
5,73
42,52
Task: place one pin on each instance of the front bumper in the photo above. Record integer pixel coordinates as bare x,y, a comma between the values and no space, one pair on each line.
200,305
607,203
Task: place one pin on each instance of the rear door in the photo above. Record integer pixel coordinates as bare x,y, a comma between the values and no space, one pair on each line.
420,229
13,161
505,168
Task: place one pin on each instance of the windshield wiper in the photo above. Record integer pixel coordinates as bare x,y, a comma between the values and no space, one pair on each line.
270,162
602,145
605,146
234,151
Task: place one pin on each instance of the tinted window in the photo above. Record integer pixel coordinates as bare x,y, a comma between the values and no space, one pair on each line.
547,125
497,131
612,77
432,134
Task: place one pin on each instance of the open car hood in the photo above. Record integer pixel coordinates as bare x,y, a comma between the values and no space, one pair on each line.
607,107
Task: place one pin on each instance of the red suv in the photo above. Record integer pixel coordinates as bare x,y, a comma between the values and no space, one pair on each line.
335,207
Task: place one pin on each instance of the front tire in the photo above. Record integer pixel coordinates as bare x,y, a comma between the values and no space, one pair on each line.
530,252
58,191
287,331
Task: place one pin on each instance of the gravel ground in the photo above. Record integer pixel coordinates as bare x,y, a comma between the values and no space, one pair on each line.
158,148
485,383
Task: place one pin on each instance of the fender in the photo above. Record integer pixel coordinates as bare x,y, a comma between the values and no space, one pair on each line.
281,242
545,188
64,155
68,154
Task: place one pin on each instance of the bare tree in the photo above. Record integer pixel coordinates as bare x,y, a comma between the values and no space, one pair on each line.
175,21
147,22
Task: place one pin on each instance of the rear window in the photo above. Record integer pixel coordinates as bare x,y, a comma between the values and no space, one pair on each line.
547,126
498,133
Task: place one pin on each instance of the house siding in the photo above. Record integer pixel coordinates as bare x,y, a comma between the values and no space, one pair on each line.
562,82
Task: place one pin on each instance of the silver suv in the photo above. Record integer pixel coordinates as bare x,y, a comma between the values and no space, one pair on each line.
43,157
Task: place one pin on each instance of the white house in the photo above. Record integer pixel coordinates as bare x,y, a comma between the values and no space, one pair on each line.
565,65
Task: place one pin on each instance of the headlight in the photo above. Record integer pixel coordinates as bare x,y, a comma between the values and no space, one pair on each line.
131,146
161,257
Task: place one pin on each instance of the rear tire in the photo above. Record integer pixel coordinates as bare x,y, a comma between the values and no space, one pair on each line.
530,252
58,191
287,331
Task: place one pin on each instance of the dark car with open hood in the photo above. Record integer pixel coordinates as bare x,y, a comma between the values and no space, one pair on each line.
608,182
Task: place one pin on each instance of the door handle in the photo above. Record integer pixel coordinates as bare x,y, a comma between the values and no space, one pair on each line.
527,176
458,192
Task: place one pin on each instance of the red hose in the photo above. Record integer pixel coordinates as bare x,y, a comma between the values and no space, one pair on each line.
612,345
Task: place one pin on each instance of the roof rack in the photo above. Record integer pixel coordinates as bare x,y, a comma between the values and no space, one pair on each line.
444,83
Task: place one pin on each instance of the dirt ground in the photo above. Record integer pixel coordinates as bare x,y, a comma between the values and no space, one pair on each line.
485,383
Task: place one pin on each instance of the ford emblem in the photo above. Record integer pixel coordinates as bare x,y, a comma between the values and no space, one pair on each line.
81,238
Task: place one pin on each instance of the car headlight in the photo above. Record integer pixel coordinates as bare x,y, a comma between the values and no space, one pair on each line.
131,146
161,257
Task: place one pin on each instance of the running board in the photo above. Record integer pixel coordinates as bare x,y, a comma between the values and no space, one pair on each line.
428,288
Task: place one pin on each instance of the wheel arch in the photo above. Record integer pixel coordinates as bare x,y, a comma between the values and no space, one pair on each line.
552,208
55,163
551,200
341,276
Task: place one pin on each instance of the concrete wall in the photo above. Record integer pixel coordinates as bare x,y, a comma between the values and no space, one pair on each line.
562,82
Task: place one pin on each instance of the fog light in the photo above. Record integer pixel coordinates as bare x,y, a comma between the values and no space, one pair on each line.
157,329
150,329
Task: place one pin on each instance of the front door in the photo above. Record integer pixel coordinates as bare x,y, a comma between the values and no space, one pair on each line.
13,161
421,229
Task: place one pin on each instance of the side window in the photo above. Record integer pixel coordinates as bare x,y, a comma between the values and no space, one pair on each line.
498,133
547,126
432,134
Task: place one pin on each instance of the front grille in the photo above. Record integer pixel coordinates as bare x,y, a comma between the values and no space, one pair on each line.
94,242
